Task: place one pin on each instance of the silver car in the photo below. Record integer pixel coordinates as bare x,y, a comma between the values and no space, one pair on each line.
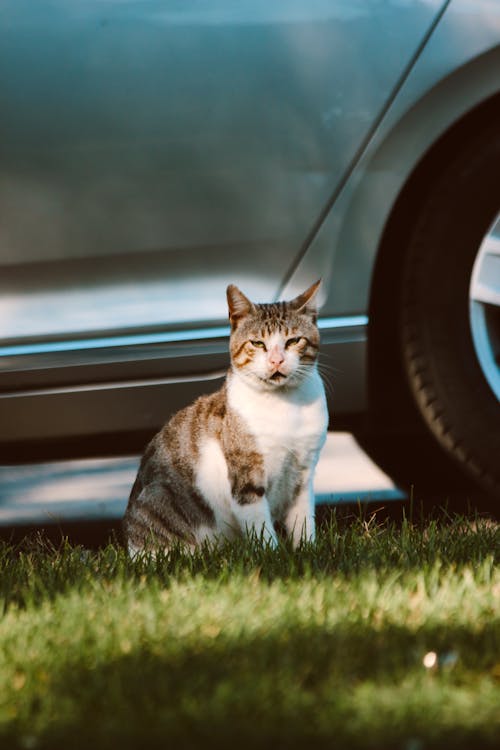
153,151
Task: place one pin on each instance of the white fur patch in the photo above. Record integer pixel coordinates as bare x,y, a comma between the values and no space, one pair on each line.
211,476
280,418
288,425
213,483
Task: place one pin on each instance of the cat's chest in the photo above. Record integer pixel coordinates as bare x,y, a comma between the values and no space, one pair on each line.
285,426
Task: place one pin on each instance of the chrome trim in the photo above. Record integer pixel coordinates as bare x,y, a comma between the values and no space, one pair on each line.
343,321
363,496
119,385
165,337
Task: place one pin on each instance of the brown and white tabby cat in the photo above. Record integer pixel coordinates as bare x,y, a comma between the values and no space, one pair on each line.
244,457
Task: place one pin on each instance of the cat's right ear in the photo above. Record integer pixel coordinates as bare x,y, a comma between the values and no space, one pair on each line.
239,305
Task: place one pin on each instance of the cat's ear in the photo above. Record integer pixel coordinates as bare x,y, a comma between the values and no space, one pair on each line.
239,305
306,302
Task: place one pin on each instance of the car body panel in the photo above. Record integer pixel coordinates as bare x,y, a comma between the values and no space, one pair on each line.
313,202
457,71
117,416
178,147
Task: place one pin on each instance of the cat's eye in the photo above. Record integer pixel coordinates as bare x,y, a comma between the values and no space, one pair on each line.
293,341
258,344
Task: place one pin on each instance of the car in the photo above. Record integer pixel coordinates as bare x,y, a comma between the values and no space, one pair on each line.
152,152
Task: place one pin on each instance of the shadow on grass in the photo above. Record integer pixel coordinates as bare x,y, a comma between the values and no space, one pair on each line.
351,686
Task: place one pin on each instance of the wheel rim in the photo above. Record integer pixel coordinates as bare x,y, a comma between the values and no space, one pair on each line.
484,306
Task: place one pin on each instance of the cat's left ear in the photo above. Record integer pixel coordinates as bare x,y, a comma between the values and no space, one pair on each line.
239,305
306,302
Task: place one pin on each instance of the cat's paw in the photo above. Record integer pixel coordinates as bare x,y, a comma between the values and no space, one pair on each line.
304,534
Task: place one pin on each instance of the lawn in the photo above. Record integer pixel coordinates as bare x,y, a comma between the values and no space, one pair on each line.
380,635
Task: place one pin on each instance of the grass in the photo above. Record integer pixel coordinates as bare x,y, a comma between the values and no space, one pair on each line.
248,646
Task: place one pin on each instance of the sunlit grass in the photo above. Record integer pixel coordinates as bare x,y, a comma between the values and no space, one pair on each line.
246,645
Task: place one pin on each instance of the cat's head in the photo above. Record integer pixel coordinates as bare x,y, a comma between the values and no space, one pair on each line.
273,345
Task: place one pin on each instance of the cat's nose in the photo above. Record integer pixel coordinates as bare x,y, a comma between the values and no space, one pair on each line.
276,357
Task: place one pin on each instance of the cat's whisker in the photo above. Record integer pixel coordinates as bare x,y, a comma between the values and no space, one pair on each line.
327,367
328,386
328,371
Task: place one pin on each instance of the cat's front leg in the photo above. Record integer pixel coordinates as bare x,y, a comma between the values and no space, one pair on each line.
251,508
249,502
299,521
254,516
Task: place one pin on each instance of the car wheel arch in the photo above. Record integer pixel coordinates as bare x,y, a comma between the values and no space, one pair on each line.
387,269
391,404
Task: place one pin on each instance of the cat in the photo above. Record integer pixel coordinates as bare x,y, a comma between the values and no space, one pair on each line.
243,458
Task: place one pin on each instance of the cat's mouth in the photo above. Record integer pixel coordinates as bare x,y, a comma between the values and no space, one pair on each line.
277,377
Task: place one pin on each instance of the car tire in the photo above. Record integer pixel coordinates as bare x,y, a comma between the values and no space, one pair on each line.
454,436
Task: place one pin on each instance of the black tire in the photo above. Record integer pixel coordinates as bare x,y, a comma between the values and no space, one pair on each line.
455,427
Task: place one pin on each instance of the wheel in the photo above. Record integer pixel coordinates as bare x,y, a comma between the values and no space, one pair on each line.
447,327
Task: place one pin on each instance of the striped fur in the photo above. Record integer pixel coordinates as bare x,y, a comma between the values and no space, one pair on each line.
242,458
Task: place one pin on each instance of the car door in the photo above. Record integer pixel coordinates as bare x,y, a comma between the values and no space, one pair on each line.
151,151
